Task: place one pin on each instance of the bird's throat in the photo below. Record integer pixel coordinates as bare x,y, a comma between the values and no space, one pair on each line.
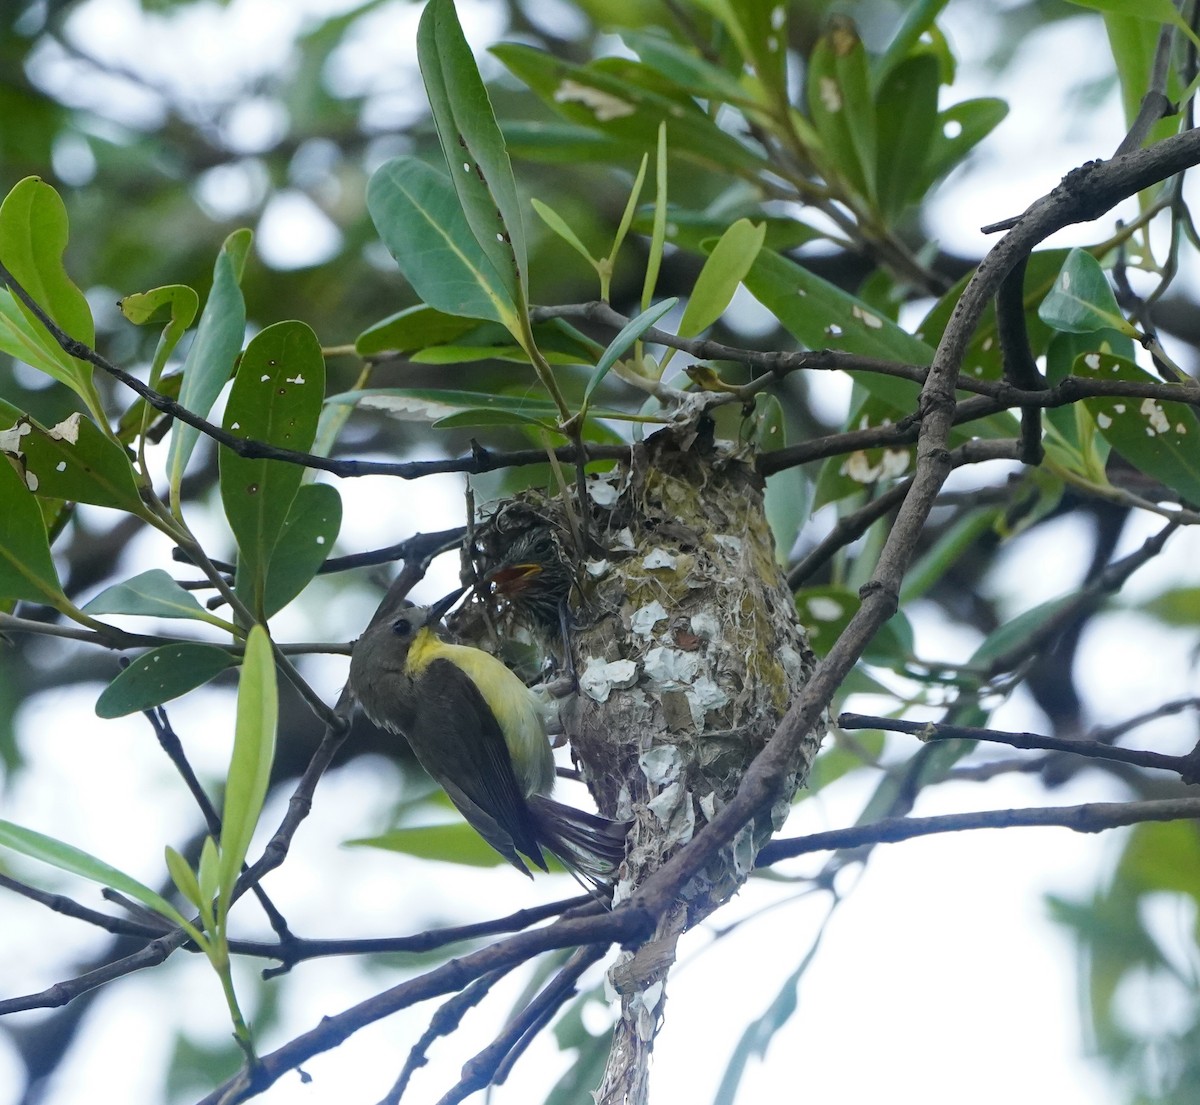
424,649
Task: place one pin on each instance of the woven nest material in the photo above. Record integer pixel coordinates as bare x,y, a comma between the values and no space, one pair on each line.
682,634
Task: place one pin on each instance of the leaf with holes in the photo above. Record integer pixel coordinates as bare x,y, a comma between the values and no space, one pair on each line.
75,461
1158,437
842,109
305,542
276,398
419,217
26,567
160,675
1081,301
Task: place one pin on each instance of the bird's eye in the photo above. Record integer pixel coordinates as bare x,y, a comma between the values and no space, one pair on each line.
402,627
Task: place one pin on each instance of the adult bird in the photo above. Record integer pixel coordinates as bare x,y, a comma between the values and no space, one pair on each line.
478,731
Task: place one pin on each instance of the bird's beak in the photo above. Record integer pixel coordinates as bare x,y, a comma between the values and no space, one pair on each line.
439,609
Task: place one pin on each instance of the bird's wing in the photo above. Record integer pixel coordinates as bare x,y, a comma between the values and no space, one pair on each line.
468,757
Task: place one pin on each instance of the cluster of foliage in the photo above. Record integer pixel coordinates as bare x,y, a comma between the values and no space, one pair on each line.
709,165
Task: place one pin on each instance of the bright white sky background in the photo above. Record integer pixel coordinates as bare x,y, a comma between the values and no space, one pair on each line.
940,978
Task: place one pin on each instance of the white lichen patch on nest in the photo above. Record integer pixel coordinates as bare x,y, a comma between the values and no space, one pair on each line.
690,593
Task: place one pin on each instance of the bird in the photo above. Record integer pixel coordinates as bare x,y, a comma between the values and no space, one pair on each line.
477,730
534,580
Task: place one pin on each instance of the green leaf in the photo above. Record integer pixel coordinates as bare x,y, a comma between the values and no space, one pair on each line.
140,307
821,315
983,358
443,407
759,30
959,130
950,546
559,225
759,1033
1082,301
684,68
305,543
473,145
918,20
1016,631
33,238
842,757
453,843
26,340
74,460
826,611
253,754
1134,43
724,270
658,233
418,216
906,108
183,877
66,857
695,230
768,424
1176,606
276,398
842,476
559,143
160,675
626,110
26,568
842,108
464,354
152,594
208,874
413,328
620,345
1157,11
1158,437
210,360
139,412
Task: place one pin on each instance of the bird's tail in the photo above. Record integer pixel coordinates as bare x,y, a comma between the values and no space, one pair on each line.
590,846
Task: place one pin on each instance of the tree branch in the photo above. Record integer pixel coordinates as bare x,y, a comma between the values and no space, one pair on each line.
1091,817
1186,767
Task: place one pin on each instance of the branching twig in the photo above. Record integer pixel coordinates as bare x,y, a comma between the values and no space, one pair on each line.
480,460
1092,817
442,1023
853,526
492,1064
626,923
170,743
68,907
297,950
1186,767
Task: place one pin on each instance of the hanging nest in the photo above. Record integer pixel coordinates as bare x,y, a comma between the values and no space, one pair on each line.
664,598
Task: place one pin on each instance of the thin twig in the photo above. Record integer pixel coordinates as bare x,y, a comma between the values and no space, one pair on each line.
1186,767
298,949
1091,817
443,1022
491,1065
